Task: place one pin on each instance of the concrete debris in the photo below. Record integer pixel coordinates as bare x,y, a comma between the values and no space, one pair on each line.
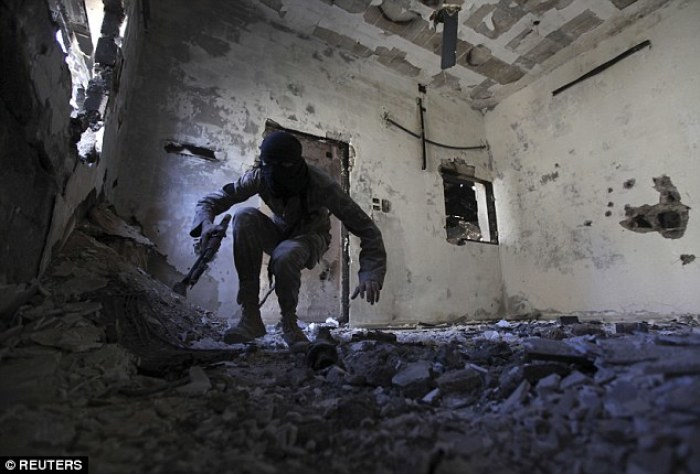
321,354
81,337
568,319
544,349
374,335
199,383
549,383
101,360
106,222
463,380
21,375
415,380
630,328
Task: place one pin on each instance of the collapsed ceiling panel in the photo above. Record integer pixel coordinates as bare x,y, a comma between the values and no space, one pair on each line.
500,45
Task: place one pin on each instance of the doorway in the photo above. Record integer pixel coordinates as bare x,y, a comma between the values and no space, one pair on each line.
325,290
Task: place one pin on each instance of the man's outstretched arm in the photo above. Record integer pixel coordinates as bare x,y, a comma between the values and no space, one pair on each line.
372,252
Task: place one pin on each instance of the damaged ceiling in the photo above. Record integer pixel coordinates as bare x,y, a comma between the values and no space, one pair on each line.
502,45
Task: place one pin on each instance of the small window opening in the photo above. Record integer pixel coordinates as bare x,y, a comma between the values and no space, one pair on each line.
469,209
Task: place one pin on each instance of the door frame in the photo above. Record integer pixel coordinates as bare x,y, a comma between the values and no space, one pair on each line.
271,125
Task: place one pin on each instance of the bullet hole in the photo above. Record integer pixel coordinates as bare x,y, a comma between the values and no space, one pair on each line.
687,258
610,190
329,155
536,22
629,184
588,223
556,165
611,204
549,177
608,213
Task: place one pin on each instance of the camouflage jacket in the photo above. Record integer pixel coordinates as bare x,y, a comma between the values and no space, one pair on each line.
323,197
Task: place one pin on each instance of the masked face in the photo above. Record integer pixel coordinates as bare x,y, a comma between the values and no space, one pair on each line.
285,178
283,167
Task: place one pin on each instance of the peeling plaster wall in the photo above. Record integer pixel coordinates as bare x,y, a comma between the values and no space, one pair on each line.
214,87
563,162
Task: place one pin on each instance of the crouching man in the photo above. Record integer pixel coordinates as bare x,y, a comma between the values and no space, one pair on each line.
301,198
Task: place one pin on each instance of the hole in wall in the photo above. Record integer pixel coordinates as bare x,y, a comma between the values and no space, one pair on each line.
669,217
188,149
641,221
668,220
90,34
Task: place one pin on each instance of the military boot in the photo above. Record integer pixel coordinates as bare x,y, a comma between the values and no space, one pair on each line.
292,333
249,327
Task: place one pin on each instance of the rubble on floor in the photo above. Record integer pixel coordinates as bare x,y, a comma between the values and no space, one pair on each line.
106,362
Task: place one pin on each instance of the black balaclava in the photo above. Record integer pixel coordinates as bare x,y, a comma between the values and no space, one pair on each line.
283,168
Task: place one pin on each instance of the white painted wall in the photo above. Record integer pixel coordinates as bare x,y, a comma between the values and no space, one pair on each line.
215,87
556,157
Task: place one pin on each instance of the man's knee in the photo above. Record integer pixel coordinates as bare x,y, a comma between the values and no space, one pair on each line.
246,217
289,256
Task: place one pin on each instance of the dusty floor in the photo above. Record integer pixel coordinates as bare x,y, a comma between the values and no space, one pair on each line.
108,363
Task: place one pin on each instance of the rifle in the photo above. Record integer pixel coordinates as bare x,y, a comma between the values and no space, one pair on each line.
205,256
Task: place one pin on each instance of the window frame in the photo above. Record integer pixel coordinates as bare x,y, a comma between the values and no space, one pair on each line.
459,178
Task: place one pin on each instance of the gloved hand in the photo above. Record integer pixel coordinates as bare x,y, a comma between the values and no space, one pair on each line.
371,288
209,230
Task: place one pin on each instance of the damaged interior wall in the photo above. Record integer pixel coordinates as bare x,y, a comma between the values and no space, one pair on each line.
572,169
43,180
215,89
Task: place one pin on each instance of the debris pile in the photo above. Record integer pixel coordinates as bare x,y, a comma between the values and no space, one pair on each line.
106,362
